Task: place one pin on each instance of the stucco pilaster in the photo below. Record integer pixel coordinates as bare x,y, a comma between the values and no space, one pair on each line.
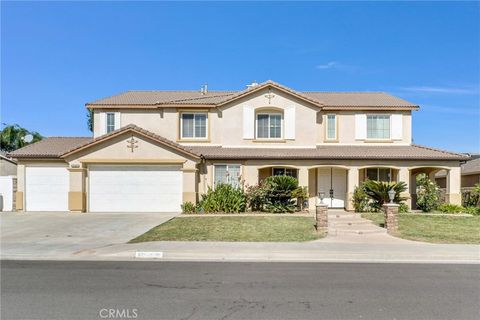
76,192
250,175
352,183
404,176
19,194
190,190
453,194
312,188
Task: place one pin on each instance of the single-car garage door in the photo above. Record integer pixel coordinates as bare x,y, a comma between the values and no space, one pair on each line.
46,188
129,188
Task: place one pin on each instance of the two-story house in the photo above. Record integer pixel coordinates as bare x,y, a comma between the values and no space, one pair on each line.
153,150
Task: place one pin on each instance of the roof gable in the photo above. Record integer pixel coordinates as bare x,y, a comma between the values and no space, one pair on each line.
134,129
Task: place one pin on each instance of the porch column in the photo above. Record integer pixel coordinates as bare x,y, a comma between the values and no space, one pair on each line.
312,188
76,193
404,176
352,183
453,193
189,172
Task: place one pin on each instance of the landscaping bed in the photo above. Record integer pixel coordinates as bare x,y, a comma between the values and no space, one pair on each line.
435,229
233,228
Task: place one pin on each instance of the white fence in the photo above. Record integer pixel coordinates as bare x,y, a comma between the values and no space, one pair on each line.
7,185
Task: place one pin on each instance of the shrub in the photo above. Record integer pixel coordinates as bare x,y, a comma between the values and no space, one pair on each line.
256,197
403,208
278,193
360,199
224,198
450,208
188,207
471,198
472,210
301,194
378,192
428,193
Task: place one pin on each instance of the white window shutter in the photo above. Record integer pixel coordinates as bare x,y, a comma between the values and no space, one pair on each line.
248,122
360,126
397,126
103,123
289,120
117,120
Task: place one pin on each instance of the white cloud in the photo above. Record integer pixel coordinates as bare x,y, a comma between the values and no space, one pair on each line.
474,111
443,90
329,65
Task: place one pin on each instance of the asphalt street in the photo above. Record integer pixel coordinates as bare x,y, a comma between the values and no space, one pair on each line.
224,290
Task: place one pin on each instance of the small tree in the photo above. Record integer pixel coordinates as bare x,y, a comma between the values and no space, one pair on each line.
378,192
360,199
279,193
428,193
12,137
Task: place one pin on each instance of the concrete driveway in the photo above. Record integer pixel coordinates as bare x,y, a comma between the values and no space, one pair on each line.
65,235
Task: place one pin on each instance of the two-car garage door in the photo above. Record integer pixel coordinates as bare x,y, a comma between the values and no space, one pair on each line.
128,188
111,188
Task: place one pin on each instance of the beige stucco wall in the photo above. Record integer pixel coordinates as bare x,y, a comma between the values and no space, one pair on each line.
7,168
225,124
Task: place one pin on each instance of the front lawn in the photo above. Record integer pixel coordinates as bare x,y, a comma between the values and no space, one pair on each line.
233,229
441,229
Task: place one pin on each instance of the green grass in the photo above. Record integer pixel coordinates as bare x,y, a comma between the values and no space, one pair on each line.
233,229
441,229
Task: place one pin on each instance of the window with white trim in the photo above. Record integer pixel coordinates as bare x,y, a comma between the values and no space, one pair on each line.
279,171
379,174
193,125
378,127
269,126
227,174
110,125
331,127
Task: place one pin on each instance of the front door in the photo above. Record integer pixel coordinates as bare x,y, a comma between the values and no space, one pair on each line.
333,183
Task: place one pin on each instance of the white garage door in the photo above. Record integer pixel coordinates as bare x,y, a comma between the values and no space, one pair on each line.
46,188
135,188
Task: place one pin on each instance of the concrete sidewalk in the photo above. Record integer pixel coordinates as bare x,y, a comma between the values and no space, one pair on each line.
351,239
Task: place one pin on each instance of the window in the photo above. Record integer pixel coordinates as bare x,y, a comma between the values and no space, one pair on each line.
378,127
228,174
193,125
269,126
110,122
284,172
379,174
331,127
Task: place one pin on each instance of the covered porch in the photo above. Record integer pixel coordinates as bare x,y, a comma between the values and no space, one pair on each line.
336,183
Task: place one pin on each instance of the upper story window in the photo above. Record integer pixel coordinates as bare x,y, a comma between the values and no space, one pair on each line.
378,127
269,126
193,125
331,127
110,122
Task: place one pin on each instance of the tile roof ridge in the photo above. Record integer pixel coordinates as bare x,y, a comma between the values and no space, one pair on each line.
440,150
345,92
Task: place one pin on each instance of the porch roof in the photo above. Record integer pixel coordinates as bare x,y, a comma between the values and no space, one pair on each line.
331,152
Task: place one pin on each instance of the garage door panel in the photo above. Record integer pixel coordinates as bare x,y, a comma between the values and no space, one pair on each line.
46,188
135,188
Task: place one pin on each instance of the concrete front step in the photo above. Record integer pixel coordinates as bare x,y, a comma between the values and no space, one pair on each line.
349,223
359,231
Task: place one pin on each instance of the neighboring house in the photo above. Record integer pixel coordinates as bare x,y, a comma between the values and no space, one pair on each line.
8,166
153,150
470,172
8,181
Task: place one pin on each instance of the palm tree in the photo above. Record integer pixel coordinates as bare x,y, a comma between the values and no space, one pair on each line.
12,137
378,191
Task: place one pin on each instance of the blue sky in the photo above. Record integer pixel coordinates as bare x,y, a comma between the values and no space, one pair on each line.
57,56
